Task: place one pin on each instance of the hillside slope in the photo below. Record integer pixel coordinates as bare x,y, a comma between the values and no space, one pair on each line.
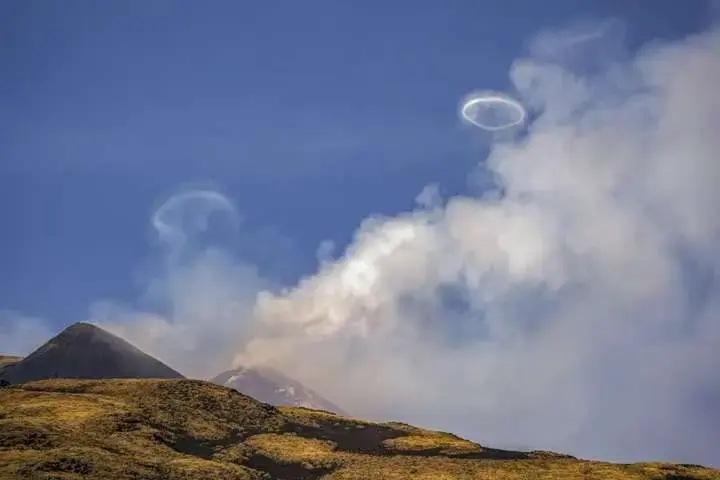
189,429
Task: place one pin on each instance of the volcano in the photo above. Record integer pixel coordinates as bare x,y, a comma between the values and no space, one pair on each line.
270,386
85,351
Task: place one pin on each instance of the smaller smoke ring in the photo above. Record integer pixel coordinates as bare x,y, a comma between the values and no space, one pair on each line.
494,100
188,214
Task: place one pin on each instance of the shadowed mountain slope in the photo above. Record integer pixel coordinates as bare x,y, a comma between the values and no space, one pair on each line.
86,351
189,429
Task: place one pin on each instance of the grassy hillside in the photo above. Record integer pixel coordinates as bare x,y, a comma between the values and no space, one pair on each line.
8,360
188,429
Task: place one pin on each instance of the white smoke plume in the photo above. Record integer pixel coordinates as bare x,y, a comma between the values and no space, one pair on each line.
578,312
202,293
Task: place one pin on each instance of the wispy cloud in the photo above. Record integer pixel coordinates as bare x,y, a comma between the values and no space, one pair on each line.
20,334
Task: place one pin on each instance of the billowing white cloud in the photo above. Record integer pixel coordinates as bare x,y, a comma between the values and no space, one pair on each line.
201,318
579,312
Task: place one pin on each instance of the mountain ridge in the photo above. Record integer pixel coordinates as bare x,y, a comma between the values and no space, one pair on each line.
83,350
177,428
190,429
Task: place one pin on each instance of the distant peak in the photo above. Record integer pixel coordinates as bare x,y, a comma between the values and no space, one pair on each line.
87,330
83,332
77,326
271,386
84,350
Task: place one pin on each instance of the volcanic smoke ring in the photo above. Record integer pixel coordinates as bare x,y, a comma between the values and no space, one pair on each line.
513,112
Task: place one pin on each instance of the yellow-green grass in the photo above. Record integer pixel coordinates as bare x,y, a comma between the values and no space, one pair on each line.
9,360
188,429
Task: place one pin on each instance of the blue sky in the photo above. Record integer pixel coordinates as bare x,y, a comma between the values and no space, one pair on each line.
309,115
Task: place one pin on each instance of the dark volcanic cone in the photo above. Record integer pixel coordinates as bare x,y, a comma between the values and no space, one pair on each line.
86,351
271,386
